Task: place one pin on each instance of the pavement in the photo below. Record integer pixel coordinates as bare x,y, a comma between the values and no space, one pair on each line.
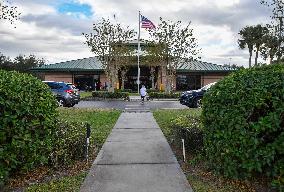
136,157
116,104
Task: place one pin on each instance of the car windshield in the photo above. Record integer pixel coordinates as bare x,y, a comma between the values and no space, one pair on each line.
71,85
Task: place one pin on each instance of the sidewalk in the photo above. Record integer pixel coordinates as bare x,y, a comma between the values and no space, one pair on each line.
136,158
138,98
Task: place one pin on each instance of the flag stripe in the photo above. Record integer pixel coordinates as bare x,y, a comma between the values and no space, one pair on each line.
146,23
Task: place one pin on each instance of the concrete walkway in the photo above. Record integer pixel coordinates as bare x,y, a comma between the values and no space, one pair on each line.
136,158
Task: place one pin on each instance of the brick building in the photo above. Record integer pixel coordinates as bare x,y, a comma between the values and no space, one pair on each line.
89,71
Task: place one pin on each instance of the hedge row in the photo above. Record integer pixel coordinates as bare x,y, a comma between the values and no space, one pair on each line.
68,143
163,95
243,118
30,134
189,128
110,95
27,118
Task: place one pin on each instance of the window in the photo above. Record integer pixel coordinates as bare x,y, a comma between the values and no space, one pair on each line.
54,85
188,82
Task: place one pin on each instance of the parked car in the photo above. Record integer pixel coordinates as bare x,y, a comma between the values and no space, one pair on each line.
76,92
64,93
193,98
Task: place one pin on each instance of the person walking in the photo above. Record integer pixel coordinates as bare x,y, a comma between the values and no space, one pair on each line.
143,93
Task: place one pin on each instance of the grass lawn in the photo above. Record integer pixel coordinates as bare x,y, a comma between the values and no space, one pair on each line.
199,177
101,120
164,117
85,94
72,183
70,178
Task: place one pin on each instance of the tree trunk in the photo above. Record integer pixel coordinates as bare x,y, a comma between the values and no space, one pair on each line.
113,78
169,80
256,56
152,72
271,56
250,55
123,77
168,83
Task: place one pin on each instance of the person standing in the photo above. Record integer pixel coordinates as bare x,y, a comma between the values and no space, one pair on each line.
143,93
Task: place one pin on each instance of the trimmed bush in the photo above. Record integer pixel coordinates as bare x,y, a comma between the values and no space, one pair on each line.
27,117
111,95
153,91
189,128
124,90
243,118
68,142
163,95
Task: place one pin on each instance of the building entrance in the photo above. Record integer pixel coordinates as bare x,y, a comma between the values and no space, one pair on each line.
131,78
87,82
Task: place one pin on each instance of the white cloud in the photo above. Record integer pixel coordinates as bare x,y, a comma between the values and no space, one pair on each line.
34,8
56,37
226,3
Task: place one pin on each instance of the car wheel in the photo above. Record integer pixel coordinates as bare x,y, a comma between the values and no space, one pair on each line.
198,102
71,105
61,102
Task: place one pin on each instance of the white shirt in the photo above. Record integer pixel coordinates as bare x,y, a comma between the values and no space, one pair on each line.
143,91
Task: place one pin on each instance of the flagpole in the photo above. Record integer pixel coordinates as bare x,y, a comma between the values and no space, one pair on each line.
138,54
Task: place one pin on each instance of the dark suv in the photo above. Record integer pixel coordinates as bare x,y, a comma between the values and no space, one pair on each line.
193,99
64,93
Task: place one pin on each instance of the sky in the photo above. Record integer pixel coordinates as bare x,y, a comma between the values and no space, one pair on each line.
53,29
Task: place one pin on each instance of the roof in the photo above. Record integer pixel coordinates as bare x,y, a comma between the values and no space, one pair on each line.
199,66
93,64
86,64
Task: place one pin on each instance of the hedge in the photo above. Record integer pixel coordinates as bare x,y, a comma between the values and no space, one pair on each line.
68,142
243,118
111,95
27,117
189,128
163,95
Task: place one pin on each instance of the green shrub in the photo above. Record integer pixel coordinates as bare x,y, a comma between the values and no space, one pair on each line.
163,95
189,128
27,116
124,90
153,91
243,119
68,142
110,95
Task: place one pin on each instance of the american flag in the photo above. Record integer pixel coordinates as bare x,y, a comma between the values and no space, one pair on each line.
146,23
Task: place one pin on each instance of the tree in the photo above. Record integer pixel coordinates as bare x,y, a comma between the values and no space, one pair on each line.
173,45
109,43
270,47
8,12
152,57
20,63
277,22
259,34
247,35
233,66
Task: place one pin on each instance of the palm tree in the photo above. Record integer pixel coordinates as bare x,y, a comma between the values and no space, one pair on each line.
270,47
247,40
259,32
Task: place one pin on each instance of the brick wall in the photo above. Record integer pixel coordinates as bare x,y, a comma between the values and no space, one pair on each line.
103,79
206,79
66,77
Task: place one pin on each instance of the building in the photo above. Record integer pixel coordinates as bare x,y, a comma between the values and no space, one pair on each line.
88,72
